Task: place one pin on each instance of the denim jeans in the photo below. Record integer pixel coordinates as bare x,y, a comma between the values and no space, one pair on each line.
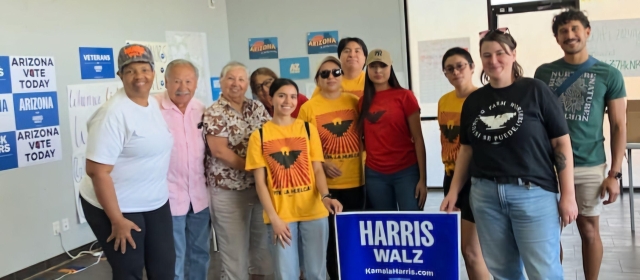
517,224
390,192
312,236
191,235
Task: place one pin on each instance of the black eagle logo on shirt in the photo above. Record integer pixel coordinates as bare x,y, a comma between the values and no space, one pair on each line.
338,127
286,158
375,116
450,132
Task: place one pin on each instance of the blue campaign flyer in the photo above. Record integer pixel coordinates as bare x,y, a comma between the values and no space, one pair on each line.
263,48
398,245
96,63
322,42
8,151
5,75
295,68
215,88
29,120
35,109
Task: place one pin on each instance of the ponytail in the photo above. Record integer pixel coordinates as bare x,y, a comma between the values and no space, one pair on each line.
508,45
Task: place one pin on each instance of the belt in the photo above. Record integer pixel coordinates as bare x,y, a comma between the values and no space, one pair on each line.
224,188
511,181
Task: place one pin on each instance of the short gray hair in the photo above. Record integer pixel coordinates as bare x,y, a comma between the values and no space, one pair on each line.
231,65
177,62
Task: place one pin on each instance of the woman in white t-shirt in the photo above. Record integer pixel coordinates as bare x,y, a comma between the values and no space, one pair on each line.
125,195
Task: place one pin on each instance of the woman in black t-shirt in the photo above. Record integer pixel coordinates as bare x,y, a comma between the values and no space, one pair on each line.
513,139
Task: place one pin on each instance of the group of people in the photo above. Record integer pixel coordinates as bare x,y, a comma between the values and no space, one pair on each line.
525,157
270,173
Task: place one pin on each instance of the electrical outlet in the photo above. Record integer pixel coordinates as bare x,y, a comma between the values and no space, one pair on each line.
56,228
65,224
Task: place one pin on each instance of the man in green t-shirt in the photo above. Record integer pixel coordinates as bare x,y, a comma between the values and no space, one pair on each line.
600,86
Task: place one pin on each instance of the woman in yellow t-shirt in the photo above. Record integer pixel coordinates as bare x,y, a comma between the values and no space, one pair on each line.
457,66
335,114
285,156
352,53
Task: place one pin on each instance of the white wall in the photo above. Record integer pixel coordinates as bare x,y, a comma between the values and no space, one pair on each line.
32,198
437,20
380,24
609,10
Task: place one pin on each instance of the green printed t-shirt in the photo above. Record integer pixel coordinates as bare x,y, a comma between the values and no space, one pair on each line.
584,103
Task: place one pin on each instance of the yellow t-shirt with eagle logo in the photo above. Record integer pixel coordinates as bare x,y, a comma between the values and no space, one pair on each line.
287,153
355,86
449,109
337,120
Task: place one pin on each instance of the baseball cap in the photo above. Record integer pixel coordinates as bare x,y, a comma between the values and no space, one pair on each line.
134,53
327,59
379,55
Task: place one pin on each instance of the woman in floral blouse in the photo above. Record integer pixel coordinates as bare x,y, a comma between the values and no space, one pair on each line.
235,207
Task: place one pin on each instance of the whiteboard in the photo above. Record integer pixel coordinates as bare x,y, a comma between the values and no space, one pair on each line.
616,42
537,45
430,20
535,42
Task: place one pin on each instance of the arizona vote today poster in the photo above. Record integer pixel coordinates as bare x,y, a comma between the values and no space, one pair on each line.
29,122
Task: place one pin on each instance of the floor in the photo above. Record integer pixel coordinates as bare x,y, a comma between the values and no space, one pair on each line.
621,247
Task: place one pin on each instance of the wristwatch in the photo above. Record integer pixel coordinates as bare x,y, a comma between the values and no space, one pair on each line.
327,195
615,174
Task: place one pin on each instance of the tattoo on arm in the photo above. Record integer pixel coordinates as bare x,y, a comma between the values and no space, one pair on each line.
560,161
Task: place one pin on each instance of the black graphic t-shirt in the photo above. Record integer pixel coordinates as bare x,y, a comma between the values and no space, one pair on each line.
510,131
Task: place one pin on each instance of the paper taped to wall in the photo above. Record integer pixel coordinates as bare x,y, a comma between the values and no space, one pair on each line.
160,59
84,100
616,43
29,120
192,46
433,83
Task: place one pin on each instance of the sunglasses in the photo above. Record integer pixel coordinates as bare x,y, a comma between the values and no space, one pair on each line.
501,30
449,69
325,73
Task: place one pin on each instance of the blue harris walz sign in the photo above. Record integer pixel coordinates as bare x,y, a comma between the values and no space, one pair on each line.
398,245
322,42
263,48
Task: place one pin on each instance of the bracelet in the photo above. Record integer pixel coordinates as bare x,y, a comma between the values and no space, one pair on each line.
326,195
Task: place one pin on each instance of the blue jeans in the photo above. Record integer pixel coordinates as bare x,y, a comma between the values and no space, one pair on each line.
312,237
390,192
191,234
517,224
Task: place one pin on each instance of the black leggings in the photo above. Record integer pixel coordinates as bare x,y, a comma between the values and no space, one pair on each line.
352,200
154,244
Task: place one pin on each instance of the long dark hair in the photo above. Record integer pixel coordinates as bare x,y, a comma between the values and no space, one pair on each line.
280,82
506,41
370,92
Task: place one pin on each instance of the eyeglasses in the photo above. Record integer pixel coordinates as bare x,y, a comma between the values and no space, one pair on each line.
336,73
450,69
267,83
501,30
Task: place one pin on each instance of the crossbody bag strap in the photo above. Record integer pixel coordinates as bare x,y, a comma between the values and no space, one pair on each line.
574,77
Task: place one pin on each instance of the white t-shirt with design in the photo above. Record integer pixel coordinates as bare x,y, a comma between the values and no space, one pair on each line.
137,142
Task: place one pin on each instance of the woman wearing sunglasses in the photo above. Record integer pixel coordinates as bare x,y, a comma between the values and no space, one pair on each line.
390,120
458,67
335,114
286,157
514,139
260,81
